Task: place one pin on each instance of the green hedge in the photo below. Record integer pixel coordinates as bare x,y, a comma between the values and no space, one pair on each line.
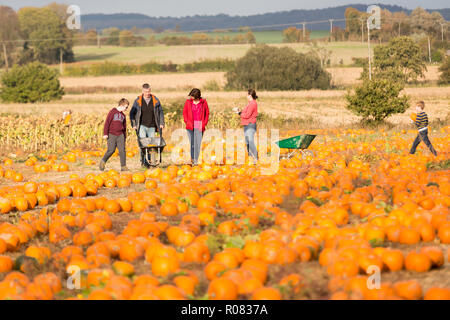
108,68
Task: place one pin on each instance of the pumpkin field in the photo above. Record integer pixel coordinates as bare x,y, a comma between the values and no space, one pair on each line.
314,230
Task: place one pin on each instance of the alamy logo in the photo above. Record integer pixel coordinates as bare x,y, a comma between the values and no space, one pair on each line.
118,117
73,22
374,20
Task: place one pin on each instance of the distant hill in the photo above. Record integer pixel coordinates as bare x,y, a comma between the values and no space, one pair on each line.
222,21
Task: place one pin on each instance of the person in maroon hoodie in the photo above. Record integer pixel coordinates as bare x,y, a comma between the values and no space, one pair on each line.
115,131
196,116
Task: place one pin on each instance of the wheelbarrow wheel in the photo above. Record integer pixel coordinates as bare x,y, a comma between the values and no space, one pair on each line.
154,157
307,153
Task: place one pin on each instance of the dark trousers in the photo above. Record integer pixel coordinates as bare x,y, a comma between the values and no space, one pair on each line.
422,136
119,143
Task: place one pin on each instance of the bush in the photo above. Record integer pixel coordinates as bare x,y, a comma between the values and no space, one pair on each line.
111,68
34,82
360,62
271,68
211,85
208,65
444,78
377,99
437,56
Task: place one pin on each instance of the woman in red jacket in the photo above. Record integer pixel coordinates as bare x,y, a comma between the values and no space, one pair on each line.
196,116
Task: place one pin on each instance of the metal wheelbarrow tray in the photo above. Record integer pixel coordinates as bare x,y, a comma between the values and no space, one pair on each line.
298,144
150,145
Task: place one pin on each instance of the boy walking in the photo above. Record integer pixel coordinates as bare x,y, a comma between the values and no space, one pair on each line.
422,125
115,130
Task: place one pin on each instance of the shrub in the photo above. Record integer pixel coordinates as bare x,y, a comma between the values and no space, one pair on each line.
211,85
208,65
151,67
444,78
271,68
377,99
437,56
359,62
113,68
34,82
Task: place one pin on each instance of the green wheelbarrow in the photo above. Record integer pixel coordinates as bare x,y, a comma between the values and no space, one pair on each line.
297,145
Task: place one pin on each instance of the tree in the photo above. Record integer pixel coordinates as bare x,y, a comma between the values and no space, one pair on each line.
34,82
240,38
127,39
90,38
399,60
422,21
271,68
401,23
377,99
60,9
201,38
320,52
444,78
9,31
353,19
250,37
112,36
46,34
294,35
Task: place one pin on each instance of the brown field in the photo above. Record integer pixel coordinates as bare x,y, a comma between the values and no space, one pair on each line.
341,77
325,107
158,81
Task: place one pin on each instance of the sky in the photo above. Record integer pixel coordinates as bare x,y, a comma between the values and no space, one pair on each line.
181,8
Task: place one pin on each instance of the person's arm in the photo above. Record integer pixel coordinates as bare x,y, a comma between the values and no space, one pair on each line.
107,124
125,127
248,111
185,112
162,122
207,113
133,112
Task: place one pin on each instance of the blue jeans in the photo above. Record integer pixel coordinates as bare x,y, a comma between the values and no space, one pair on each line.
422,136
195,139
249,133
145,132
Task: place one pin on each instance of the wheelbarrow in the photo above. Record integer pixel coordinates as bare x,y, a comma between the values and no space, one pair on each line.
297,146
152,149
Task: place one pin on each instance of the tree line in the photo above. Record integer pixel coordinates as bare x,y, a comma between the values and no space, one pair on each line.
428,30
134,37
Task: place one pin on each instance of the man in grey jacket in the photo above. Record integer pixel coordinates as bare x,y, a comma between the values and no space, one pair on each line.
147,117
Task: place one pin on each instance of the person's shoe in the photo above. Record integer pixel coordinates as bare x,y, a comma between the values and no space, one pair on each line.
125,168
102,165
